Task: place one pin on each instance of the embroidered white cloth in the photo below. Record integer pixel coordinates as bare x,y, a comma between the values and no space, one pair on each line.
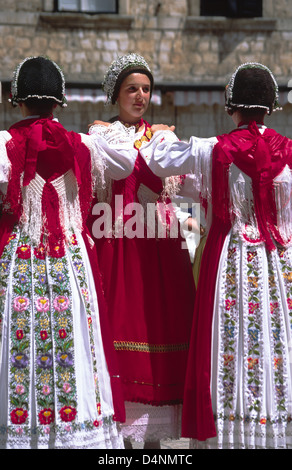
251,382
54,381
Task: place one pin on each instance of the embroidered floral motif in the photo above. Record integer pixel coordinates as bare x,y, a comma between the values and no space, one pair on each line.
4,266
254,322
46,416
254,304
229,303
21,303
21,314
63,344
286,270
41,291
18,416
68,413
61,303
73,239
229,328
58,251
40,252
42,303
80,274
23,251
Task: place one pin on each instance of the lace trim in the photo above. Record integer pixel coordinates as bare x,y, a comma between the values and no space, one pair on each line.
107,436
245,437
151,423
115,133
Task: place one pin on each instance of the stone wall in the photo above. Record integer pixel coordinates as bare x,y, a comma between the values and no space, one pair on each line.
185,51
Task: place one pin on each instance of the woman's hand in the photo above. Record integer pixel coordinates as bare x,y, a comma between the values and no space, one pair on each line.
100,123
161,127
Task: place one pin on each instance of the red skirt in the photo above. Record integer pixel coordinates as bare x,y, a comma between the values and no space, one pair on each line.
150,292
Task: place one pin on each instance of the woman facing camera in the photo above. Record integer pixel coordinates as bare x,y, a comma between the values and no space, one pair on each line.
147,273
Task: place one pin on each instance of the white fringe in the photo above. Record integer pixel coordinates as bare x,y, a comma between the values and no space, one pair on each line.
69,206
114,134
242,203
283,192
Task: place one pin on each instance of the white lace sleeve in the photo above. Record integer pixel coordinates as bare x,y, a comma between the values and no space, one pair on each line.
194,158
147,149
113,145
115,133
5,164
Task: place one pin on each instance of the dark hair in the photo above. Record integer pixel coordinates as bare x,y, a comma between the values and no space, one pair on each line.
253,87
125,73
40,106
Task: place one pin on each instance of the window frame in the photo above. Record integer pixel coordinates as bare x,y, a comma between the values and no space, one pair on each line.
88,12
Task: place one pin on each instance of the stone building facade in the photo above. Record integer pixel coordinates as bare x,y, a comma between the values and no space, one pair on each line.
191,56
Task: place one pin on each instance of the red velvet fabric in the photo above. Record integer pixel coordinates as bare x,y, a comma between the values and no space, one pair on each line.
150,292
262,157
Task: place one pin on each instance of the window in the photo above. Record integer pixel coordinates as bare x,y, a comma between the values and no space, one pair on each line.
232,8
87,6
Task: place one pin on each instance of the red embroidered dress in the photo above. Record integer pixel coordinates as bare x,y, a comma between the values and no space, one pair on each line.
150,291
238,384
58,378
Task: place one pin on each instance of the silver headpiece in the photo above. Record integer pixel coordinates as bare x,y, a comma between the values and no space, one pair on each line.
116,67
34,88
229,89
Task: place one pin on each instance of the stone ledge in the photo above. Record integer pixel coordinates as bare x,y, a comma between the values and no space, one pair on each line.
223,24
86,21
125,22
17,18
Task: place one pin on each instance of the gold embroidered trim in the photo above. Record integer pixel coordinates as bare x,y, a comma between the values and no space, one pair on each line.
149,348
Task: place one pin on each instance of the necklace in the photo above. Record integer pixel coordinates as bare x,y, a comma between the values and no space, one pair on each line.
145,138
146,135
137,125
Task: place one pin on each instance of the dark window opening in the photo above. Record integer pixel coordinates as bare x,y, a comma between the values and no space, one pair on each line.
232,8
87,6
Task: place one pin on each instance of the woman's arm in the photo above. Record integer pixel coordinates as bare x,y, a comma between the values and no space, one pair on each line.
112,147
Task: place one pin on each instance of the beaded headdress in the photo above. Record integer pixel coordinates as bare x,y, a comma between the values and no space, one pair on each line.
38,77
121,64
229,104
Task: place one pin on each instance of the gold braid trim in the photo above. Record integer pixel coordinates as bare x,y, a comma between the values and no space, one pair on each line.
149,348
